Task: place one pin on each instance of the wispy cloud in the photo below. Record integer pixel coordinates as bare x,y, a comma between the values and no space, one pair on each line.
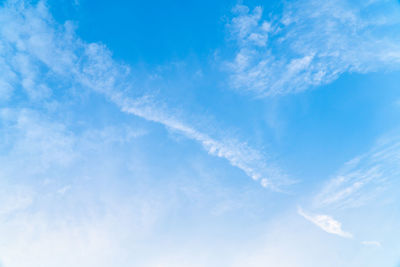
34,45
238,154
312,43
326,223
367,184
371,243
363,178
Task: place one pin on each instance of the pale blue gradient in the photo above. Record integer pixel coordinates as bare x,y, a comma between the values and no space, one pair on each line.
259,133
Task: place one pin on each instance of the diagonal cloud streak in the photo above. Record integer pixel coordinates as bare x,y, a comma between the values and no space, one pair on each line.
363,178
36,51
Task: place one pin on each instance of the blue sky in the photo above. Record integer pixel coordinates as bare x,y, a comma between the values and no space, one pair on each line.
251,133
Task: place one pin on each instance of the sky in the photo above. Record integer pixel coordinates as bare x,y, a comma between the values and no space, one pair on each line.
199,133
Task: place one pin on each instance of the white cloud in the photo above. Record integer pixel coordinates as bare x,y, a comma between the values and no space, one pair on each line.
371,243
33,38
363,178
326,223
238,154
286,241
365,191
312,43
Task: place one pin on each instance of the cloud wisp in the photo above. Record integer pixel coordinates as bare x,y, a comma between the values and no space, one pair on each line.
372,243
367,184
326,223
34,46
363,178
312,43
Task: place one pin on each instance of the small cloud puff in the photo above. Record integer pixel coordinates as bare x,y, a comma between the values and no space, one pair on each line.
326,223
371,243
